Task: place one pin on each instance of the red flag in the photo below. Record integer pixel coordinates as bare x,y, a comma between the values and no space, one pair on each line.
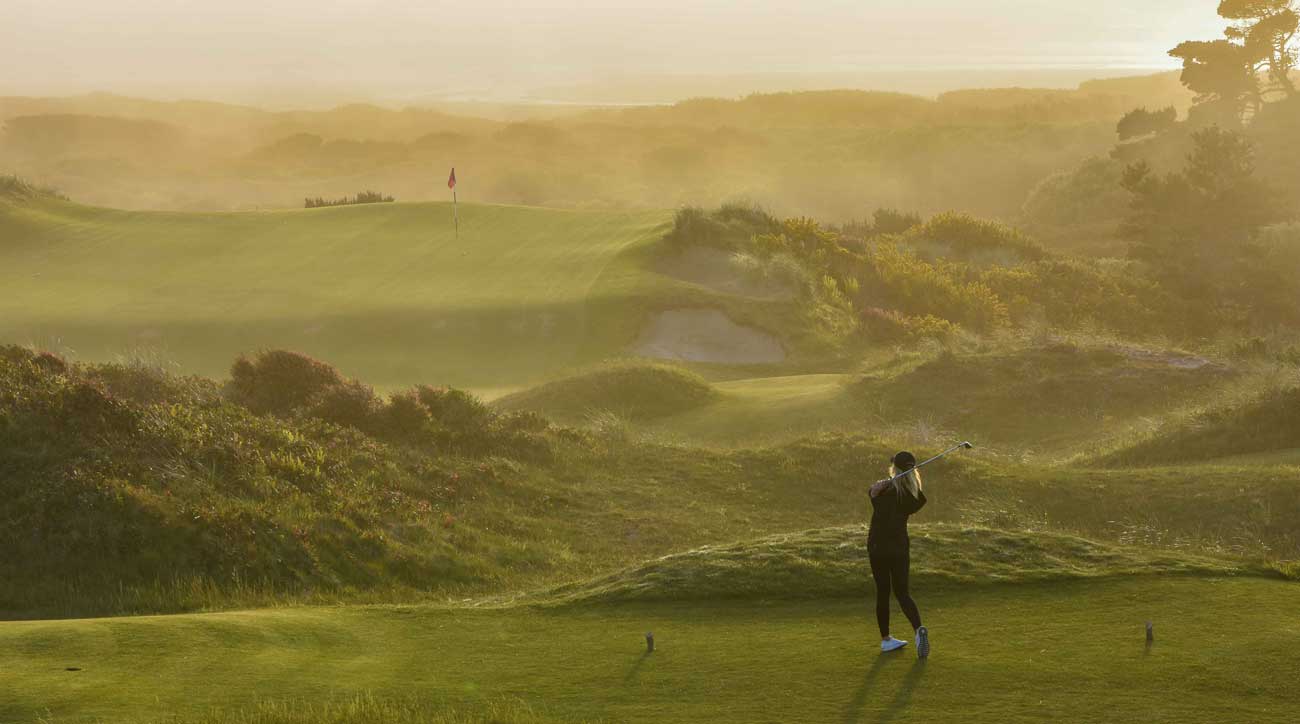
451,182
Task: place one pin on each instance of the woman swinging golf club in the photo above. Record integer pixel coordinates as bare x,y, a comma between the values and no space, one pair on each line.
893,501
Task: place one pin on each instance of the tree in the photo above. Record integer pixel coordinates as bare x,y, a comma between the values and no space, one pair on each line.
1266,30
1194,228
1222,74
1141,123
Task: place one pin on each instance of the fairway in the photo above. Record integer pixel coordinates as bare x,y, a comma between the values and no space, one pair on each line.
765,410
1003,653
385,291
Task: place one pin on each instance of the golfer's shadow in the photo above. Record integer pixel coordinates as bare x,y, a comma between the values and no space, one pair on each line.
636,668
853,711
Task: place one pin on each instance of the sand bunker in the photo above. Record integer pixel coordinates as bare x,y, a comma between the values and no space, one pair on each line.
706,335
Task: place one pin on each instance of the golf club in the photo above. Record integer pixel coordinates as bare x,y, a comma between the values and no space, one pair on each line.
954,448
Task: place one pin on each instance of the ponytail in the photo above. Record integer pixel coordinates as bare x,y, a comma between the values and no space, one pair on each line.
909,482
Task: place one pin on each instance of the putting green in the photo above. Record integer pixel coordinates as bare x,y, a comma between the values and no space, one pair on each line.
385,291
1226,650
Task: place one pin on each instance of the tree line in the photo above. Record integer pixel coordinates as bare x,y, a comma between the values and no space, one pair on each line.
365,197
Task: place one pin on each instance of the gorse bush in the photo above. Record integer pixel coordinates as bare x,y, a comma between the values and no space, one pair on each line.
983,277
888,326
892,221
962,236
923,288
296,387
729,227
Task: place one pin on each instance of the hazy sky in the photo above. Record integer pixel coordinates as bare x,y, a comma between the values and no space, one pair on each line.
477,46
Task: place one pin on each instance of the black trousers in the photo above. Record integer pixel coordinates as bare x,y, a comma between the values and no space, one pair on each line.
889,568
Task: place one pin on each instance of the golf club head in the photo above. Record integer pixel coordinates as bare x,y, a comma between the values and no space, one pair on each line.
967,445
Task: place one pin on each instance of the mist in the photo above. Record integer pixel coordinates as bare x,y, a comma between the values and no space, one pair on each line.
294,51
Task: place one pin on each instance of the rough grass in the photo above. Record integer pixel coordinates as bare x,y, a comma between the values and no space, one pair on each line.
98,464
1023,397
833,563
637,392
1270,423
1058,396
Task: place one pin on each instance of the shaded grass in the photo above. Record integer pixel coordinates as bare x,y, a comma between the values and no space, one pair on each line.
1268,425
1055,396
635,391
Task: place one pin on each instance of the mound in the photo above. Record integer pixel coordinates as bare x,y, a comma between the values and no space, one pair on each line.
1059,394
706,335
636,392
1269,424
833,563
124,490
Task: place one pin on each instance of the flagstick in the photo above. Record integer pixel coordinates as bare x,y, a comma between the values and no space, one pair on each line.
455,206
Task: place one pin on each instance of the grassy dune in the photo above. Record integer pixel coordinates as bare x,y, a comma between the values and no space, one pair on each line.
385,290
1059,398
633,391
1260,430
831,563
1005,653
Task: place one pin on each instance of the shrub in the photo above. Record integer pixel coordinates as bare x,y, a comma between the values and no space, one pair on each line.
1141,122
892,221
348,404
404,418
921,288
888,326
730,227
454,409
151,385
965,236
280,382
1089,196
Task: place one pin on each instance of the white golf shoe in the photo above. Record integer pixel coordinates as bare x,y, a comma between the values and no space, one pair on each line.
891,644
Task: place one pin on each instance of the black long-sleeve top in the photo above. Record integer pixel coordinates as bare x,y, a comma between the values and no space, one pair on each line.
889,513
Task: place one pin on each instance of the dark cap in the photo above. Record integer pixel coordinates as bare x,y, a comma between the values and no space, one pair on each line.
904,460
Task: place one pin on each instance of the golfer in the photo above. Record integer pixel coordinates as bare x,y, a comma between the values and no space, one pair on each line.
893,501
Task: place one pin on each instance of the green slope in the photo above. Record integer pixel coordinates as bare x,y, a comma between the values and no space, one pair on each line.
1225,651
385,291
